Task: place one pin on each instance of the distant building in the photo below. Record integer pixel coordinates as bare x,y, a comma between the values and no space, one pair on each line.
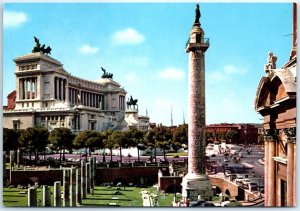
47,95
246,133
276,102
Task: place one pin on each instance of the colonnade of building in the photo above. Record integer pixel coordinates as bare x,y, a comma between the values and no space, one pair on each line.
80,97
281,191
122,103
60,85
27,88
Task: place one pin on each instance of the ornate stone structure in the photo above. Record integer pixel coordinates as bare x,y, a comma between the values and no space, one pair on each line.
196,184
47,95
276,102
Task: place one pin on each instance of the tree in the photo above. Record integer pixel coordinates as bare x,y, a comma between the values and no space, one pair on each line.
86,139
163,137
34,139
137,139
232,136
180,137
106,134
152,141
108,142
61,139
118,139
10,139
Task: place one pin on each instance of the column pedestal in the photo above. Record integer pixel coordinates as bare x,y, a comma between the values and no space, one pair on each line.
195,186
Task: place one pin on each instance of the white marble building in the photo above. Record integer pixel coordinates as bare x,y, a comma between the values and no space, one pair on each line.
48,95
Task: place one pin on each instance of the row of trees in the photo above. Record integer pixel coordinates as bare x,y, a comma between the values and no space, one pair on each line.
35,139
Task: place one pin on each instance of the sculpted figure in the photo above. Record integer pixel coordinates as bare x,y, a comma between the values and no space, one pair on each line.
198,14
271,62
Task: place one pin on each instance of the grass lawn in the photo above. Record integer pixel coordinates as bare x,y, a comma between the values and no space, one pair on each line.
102,197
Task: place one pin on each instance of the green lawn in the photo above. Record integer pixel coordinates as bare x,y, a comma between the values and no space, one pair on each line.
102,196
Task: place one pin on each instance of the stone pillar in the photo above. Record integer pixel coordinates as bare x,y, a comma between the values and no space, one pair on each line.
94,171
31,88
57,88
66,188
266,177
196,183
57,194
294,177
78,187
35,87
290,172
21,88
46,196
73,187
32,197
18,157
91,161
87,177
83,180
4,168
272,173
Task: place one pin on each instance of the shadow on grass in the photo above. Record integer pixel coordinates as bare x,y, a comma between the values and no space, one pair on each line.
107,199
101,205
25,195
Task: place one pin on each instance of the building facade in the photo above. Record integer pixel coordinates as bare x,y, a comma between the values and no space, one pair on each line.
47,95
245,133
276,102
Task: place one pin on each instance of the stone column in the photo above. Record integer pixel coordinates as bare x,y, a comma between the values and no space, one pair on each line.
73,187
83,180
66,188
294,177
18,157
196,183
57,88
94,171
78,187
4,168
26,86
46,196
35,87
91,161
32,197
87,177
31,88
57,194
21,88
272,173
266,177
290,172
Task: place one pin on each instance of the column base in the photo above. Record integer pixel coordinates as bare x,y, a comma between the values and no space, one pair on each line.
196,186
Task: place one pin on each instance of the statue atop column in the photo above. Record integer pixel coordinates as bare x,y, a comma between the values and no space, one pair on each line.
38,48
197,15
271,62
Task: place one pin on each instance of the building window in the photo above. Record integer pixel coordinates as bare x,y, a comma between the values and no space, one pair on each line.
32,104
15,126
22,105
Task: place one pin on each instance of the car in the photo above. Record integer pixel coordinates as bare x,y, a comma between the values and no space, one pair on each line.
213,155
226,159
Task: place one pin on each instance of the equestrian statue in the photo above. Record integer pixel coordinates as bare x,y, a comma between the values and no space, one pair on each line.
132,102
106,74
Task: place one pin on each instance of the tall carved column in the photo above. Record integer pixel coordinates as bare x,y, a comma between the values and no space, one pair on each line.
57,89
196,184
266,177
291,138
272,173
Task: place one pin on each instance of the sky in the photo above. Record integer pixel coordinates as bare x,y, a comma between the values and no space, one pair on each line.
143,45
